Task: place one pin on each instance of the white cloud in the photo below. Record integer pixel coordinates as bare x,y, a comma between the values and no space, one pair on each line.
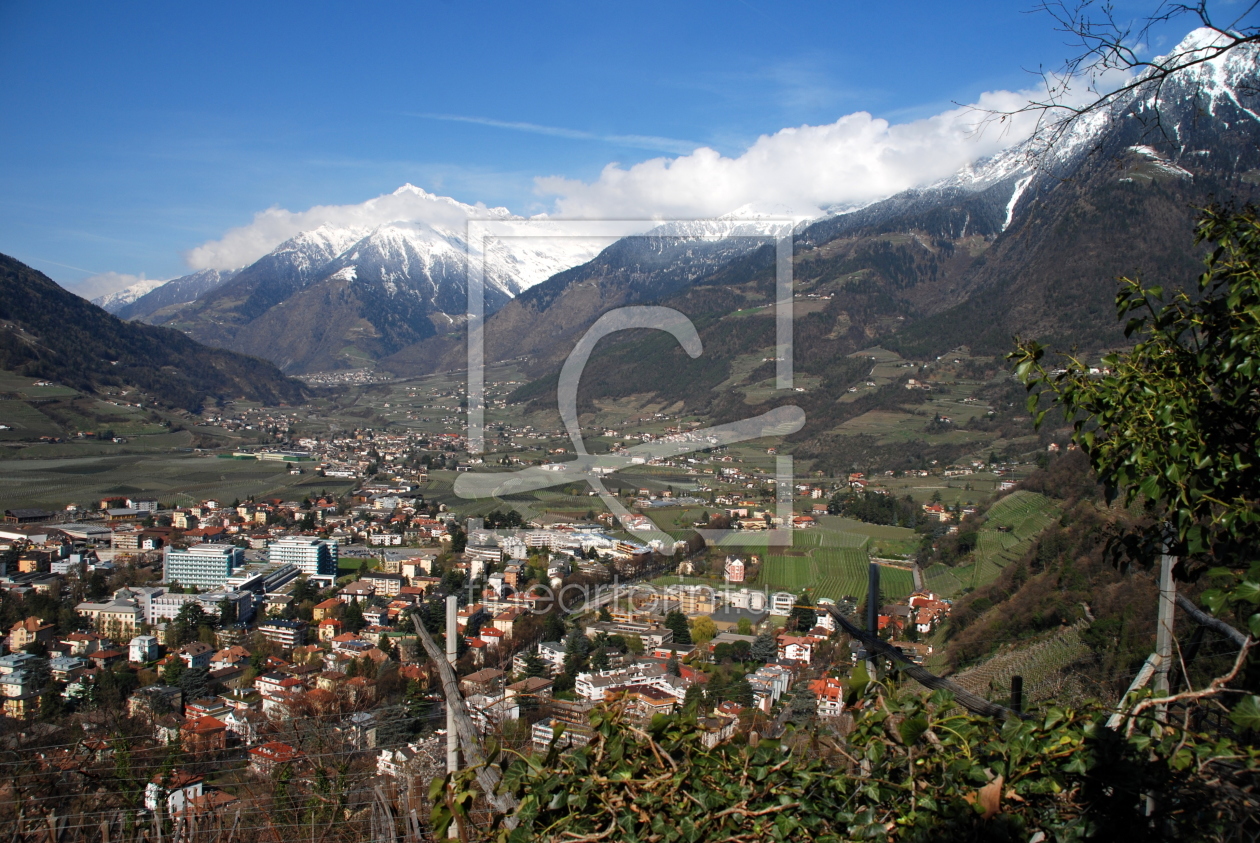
796,172
103,283
857,159
242,246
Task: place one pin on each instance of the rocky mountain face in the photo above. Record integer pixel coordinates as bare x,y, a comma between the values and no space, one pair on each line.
115,301
48,332
540,325
337,297
1028,242
153,305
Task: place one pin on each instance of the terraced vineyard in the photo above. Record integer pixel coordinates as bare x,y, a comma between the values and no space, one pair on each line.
833,572
1008,531
1041,663
942,579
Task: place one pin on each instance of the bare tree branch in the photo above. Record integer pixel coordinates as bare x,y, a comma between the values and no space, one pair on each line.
1105,43
1215,624
1216,687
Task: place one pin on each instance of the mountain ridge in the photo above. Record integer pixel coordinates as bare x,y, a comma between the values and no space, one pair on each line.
48,332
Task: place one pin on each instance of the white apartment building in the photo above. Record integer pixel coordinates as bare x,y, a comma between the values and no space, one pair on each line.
781,603
203,565
313,556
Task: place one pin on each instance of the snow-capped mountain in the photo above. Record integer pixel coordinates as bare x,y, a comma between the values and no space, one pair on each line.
395,272
117,300
177,291
339,294
1024,241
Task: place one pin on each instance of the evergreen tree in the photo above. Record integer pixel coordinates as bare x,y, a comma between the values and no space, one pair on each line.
599,659
459,539
185,626
739,691
764,648
804,617
173,670
534,666
576,648
716,688
672,667
693,699
227,612
604,615
677,622
553,628
803,706
352,617
51,704
196,683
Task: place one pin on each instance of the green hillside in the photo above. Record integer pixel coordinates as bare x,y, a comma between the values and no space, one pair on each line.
49,333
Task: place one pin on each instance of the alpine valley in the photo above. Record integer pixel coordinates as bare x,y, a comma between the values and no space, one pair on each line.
1023,243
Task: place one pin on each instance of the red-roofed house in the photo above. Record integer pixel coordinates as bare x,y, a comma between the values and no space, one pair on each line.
177,787
493,637
330,608
203,734
271,756
797,649
329,628
829,694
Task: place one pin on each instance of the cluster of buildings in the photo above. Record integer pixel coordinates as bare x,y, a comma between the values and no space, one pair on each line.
922,611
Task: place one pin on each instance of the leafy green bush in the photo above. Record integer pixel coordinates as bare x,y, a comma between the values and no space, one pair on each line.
914,768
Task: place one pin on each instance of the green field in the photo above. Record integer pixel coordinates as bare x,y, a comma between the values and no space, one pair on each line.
24,421
1010,527
833,572
942,579
181,479
838,523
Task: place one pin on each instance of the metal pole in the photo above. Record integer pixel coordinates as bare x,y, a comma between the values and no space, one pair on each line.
1017,694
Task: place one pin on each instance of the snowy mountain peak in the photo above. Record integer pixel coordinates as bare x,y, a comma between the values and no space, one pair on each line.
117,300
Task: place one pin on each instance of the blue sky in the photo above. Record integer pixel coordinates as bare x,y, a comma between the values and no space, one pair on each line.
137,131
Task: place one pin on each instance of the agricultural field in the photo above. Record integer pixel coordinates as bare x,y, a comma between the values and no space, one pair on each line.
942,579
1043,663
831,524
1009,529
181,479
833,572
24,421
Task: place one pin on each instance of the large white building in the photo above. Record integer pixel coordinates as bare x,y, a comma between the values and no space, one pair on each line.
203,565
313,556
166,607
782,602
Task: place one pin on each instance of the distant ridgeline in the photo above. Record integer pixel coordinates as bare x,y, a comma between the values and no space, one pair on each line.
47,332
